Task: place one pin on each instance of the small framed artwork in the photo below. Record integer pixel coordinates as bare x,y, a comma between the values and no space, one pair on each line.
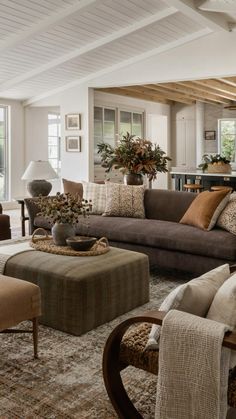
210,135
73,121
73,144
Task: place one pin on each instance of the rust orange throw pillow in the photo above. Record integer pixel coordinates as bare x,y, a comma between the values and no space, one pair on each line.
205,209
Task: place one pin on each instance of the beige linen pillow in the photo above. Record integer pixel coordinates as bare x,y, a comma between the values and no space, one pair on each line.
72,187
194,297
205,209
96,193
124,201
223,308
227,219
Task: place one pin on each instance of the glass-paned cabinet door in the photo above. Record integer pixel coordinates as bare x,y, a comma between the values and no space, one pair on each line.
125,122
104,128
137,125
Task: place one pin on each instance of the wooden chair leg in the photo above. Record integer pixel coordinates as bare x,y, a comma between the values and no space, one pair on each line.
35,336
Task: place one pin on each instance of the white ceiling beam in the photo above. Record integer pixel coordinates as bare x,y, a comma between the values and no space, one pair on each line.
213,21
122,64
90,47
45,24
217,6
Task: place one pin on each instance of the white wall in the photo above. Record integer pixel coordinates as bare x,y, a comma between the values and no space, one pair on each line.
36,137
16,149
75,165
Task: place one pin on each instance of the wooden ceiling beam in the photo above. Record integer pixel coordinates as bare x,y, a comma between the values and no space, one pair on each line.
130,93
209,90
169,94
192,94
229,80
217,84
146,89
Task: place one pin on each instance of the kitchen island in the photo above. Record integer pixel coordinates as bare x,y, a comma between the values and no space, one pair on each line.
205,179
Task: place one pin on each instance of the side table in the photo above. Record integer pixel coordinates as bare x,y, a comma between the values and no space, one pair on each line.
23,217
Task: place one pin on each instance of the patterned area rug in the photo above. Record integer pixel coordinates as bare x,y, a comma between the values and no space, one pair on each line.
66,382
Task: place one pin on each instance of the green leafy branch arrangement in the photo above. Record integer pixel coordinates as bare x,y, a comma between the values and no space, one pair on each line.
134,155
212,159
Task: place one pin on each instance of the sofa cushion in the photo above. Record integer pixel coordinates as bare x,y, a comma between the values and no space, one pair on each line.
124,200
161,204
205,209
163,234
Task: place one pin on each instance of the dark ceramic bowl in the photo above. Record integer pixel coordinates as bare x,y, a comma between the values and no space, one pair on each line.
81,242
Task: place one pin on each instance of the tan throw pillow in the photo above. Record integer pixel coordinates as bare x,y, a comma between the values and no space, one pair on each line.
194,297
72,187
205,209
96,193
124,201
227,219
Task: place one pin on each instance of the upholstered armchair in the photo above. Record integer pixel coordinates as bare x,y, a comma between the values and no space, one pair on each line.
5,230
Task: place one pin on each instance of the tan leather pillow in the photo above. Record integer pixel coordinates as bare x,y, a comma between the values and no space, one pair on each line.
73,187
202,210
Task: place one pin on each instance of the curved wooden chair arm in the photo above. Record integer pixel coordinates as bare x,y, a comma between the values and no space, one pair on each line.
232,268
112,366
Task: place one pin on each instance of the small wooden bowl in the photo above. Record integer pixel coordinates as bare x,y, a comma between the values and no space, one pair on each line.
81,242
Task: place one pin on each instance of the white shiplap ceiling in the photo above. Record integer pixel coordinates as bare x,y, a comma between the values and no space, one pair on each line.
49,45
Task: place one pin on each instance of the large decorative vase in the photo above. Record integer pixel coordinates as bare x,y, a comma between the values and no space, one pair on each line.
133,179
61,232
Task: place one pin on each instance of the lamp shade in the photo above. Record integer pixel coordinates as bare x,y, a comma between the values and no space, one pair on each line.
38,170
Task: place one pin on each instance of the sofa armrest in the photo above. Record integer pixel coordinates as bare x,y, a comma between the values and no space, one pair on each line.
33,209
5,229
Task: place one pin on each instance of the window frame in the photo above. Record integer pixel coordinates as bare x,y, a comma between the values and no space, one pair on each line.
58,137
6,139
219,136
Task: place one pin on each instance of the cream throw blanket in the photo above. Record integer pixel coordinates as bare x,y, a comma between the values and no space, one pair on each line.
11,248
193,368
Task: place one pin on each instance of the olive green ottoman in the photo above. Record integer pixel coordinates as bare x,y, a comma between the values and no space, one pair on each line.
81,293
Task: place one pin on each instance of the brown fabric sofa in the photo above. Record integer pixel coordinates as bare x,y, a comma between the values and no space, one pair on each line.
167,243
5,229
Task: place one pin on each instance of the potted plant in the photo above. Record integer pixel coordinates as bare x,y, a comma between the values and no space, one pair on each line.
135,157
215,164
63,211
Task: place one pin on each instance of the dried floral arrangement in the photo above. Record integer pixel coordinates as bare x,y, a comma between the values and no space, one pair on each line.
134,155
63,208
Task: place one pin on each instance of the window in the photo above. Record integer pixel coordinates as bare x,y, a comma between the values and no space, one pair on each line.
131,122
227,138
4,135
112,123
54,141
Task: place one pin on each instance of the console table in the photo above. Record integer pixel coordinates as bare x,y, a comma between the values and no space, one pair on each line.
205,179
23,216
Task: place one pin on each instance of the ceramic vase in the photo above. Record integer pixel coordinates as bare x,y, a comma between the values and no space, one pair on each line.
61,232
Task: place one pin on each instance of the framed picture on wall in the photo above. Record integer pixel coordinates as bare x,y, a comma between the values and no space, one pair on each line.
73,121
210,135
73,144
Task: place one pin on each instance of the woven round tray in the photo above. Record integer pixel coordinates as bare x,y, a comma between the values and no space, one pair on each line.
45,244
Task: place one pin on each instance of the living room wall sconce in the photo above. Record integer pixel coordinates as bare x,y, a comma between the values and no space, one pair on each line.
38,173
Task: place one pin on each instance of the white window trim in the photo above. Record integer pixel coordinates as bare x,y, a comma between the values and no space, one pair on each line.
233,163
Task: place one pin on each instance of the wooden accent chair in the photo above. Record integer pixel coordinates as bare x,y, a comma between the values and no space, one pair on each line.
121,351
19,301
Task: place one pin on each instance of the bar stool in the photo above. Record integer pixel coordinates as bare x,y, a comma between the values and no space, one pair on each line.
221,188
193,187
